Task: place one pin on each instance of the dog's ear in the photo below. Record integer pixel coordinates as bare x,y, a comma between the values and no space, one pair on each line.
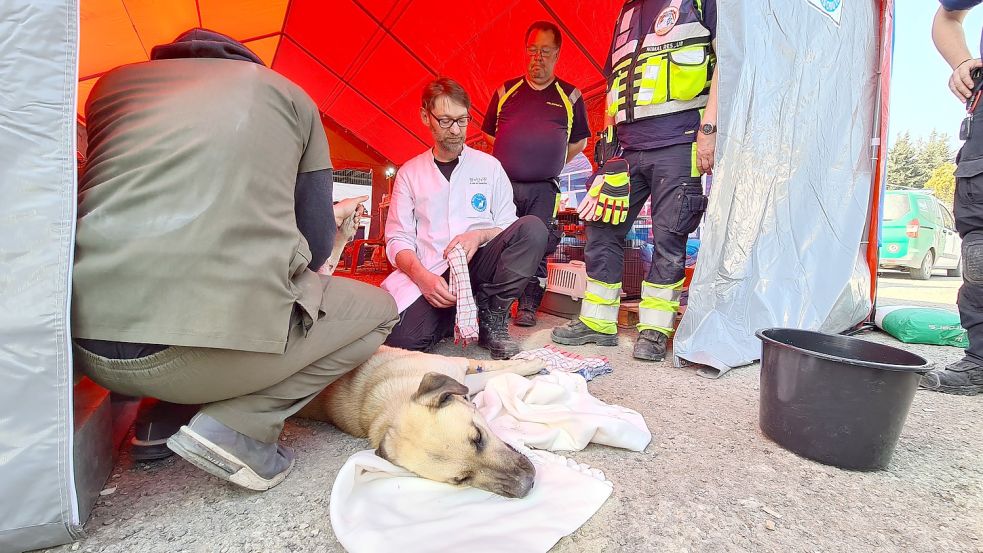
436,390
381,450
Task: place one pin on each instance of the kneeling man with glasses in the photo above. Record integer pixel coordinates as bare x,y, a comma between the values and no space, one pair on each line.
454,195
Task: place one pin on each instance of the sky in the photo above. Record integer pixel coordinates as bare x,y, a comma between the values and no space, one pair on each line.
920,96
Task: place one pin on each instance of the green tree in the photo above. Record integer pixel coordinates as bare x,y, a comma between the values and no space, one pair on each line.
943,182
933,153
903,164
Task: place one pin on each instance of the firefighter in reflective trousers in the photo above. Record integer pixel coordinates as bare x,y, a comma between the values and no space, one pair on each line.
660,134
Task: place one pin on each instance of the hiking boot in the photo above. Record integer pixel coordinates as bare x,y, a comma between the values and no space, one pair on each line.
651,345
576,333
528,304
493,333
525,318
156,422
964,378
219,450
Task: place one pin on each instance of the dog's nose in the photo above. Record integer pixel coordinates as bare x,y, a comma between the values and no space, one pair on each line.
526,476
514,478
517,488
525,484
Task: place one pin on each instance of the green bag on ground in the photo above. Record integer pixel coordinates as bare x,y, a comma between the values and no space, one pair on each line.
922,325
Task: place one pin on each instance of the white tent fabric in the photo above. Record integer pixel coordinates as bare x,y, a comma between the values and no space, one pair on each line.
783,237
39,48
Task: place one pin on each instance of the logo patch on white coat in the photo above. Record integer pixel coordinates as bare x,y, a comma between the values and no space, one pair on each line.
479,202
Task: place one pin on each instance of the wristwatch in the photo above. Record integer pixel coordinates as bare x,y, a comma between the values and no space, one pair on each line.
708,128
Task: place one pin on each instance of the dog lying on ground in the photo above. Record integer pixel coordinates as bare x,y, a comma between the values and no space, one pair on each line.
414,410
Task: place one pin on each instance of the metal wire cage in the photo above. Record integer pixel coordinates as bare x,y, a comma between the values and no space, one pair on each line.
574,239
361,177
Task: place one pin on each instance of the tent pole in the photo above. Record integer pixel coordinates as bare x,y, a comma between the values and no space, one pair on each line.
879,145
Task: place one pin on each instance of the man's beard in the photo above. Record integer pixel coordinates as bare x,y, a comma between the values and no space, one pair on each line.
451,145
536,72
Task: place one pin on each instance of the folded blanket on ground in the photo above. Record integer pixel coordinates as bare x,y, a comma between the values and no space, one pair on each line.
376,506
558,360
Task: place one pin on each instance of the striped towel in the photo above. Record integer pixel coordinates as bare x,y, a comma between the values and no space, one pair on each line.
558,360
466,320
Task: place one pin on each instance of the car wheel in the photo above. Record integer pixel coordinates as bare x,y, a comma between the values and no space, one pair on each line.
958,271
924,272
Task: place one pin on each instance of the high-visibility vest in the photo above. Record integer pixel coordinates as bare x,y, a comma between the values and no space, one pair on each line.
659,66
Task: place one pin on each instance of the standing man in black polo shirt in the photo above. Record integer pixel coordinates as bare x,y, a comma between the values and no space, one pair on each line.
536,124
965,377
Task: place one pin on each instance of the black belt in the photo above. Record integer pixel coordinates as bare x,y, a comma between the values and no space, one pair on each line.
966,127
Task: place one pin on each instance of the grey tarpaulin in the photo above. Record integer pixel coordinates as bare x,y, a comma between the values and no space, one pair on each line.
38,53
783,232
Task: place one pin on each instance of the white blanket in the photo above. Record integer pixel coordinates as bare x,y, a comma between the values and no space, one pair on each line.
556,412
378,507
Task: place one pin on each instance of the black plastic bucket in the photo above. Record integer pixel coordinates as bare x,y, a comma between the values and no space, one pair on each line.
838,400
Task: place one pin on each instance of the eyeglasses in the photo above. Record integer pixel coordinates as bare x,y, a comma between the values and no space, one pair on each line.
446,122
545,51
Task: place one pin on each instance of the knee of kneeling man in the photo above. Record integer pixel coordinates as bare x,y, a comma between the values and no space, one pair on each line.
972,259
391,311
533,228
411,343
381,304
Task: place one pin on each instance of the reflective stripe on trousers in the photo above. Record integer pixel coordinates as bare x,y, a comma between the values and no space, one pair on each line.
599,309
660,302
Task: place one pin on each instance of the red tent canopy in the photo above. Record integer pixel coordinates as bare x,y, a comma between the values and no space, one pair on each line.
363,61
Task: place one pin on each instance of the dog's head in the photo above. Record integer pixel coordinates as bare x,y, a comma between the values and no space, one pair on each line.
441,436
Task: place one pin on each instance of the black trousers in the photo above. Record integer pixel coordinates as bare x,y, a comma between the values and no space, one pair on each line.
499,272
968,210
539,199
678,203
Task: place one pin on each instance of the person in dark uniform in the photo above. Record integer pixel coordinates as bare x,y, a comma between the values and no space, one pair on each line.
660,136
965,377
536,124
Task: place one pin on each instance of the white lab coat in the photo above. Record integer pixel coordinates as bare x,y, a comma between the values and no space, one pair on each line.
426,212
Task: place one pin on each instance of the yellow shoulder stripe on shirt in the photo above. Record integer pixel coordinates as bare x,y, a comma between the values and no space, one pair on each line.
568,104
502,96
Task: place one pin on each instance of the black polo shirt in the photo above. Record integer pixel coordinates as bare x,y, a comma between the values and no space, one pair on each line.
533,127
959,5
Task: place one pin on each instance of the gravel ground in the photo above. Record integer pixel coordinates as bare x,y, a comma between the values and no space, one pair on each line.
709,481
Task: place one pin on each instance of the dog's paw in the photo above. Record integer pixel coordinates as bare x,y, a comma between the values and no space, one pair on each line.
529,367
328,268
347,228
